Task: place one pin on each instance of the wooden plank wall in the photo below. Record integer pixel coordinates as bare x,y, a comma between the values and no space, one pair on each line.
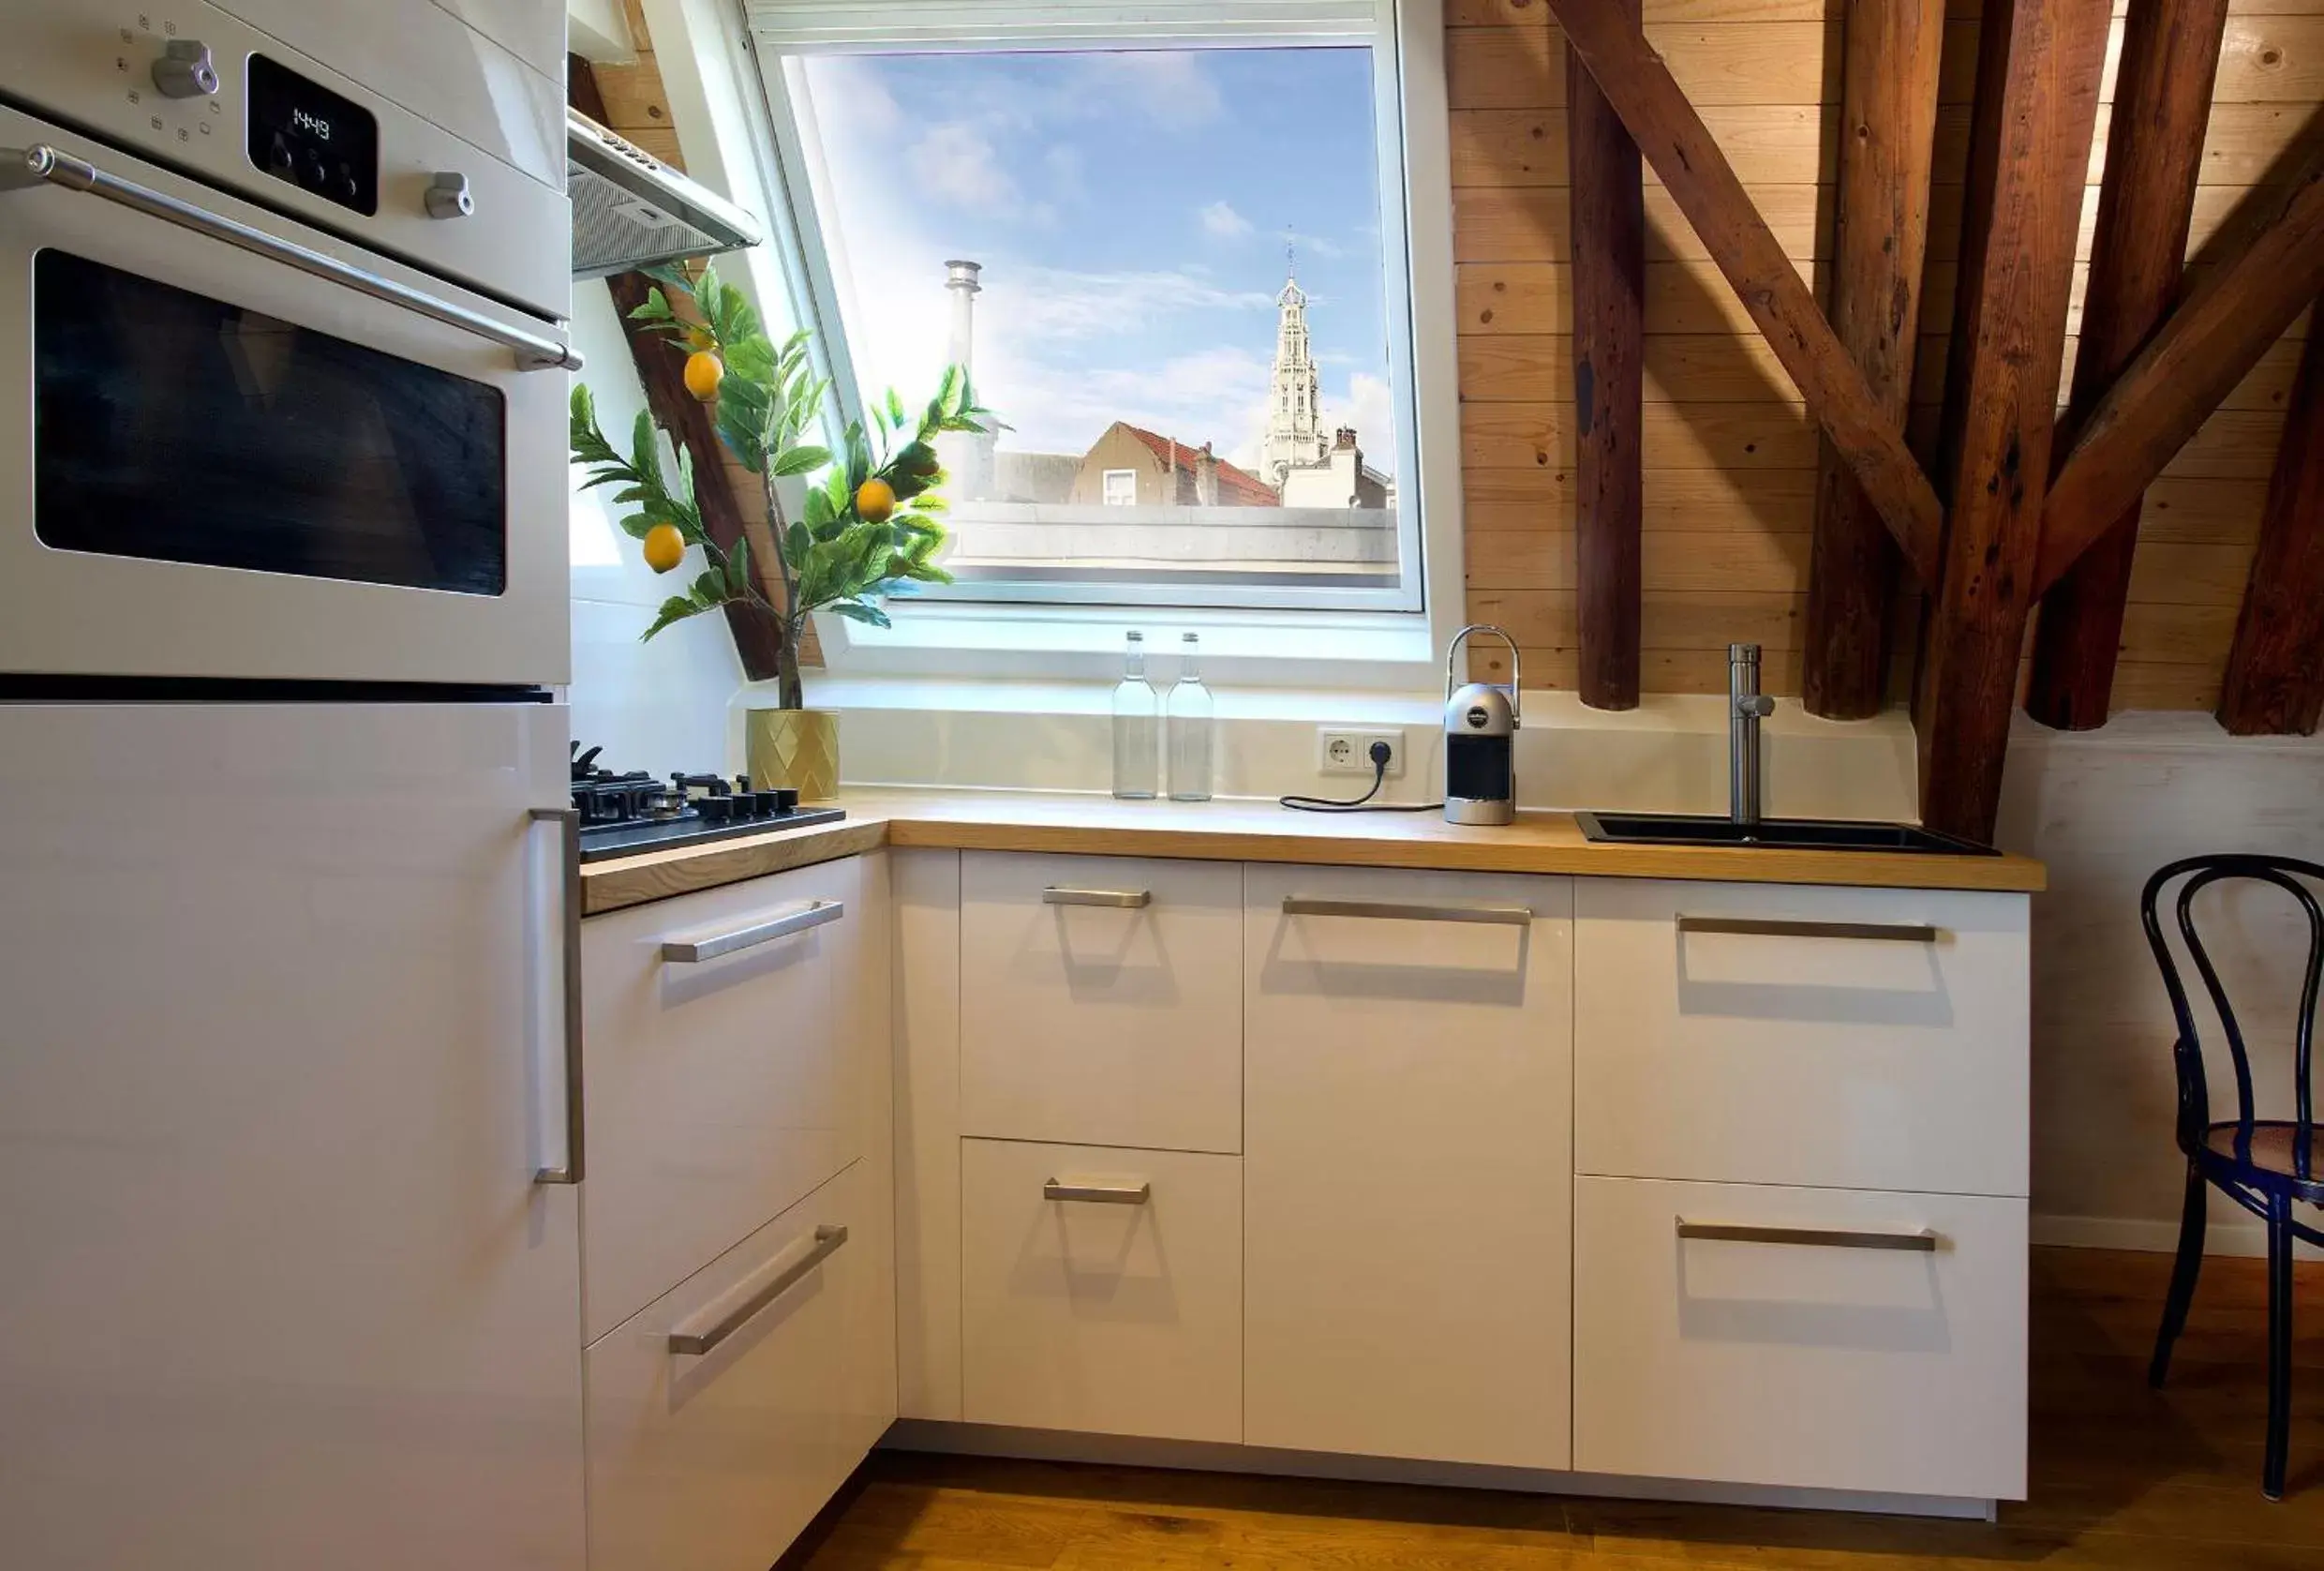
1730,457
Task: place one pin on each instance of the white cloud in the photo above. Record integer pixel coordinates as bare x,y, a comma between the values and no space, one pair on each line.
956,162
1221,221
1056,303
1170,86
1369,405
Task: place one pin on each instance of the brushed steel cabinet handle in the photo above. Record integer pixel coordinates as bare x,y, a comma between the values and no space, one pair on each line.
22,167
1128,900
1100,1194
815,913
1785,927
1394,910
576,1153
827,1243
1917,1240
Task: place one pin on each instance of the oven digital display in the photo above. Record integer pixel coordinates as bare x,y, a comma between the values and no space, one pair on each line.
308,135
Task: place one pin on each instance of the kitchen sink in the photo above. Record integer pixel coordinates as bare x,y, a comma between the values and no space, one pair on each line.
1779,834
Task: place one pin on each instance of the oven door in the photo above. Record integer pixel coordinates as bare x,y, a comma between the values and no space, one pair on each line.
233,446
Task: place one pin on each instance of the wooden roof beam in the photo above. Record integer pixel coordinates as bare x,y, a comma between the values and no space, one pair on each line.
2038,65
2275,670
2192,363
1673,140
1888,122
1608,244
2137,259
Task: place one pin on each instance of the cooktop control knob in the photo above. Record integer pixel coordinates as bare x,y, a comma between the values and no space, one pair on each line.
448,197
184,70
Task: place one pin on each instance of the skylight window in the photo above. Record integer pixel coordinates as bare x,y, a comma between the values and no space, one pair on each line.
1171,264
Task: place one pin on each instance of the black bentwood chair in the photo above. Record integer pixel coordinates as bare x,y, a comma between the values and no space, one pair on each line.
2262,1164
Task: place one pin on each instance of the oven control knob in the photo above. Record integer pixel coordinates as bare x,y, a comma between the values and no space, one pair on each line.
448,197
184,70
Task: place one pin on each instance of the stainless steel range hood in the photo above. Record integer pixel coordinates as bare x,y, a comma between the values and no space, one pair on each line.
631,210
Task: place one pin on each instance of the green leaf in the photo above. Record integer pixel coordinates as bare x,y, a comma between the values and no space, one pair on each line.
645,455
711,589
798,461
676,608
859,611
797,541
636,525
739,569
818,510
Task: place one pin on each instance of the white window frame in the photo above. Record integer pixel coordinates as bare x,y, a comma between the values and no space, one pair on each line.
1129,477
712,73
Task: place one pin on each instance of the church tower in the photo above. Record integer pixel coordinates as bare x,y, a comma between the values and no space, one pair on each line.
1295,434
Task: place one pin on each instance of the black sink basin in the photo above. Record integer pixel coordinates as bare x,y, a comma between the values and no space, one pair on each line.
1779,834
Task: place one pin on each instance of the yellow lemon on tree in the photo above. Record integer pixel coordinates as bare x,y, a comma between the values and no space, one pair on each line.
664,547
705,370
875,500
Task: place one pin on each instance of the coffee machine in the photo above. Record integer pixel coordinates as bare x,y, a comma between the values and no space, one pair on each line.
1481,721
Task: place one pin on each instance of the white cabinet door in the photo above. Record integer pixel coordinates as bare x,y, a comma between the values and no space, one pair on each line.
1407,1164
1758,1033
279,1055
1101,1000
1781,1344
714,1461
1102,1290
720,1089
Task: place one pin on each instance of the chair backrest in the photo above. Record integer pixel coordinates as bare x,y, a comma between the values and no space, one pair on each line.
2199,873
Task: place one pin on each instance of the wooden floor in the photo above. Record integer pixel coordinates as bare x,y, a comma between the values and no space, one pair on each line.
2122,1477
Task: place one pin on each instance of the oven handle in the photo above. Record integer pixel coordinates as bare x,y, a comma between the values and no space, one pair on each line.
22,167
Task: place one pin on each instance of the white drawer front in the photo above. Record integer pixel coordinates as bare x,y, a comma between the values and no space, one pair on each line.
718,1090
1833,1046
1097,1315
1817,1363
715,1461
1407,1168
1101,1001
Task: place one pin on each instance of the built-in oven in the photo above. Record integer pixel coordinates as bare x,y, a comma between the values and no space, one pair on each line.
282,376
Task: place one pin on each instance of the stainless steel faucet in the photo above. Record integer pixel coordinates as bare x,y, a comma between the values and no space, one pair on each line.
1746,707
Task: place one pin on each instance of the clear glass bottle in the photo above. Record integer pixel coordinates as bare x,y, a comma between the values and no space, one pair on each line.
1190,726
1136,725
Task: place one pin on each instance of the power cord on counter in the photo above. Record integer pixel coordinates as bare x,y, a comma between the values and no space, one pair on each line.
1379,754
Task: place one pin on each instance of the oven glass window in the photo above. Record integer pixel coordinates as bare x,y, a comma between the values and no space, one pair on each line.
175,427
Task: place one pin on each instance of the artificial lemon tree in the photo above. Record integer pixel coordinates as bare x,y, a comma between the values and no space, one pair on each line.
868,526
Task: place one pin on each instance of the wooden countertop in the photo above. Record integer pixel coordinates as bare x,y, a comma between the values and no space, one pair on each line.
1538,842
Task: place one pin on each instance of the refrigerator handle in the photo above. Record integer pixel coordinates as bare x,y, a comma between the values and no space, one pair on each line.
569,849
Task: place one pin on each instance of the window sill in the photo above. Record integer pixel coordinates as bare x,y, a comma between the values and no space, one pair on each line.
1373,651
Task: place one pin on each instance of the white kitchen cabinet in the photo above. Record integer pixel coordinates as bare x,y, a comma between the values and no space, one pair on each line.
1101,1001
715,1461
1407,1164
1102,1290
1758,1033
1830,1338
721,1088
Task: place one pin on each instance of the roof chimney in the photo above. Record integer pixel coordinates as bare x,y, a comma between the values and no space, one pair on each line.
961,279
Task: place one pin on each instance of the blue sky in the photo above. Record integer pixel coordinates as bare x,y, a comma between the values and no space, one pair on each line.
1131,209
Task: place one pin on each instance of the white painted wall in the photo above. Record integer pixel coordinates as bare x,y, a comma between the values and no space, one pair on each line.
1667,756
2105,809
660,706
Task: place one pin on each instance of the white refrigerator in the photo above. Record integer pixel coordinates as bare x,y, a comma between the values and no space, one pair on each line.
282,1005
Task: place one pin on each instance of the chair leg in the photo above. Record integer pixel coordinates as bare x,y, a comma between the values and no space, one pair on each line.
2193,1217
2279,1344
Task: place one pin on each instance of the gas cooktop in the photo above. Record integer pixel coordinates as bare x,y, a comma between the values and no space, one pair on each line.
622,815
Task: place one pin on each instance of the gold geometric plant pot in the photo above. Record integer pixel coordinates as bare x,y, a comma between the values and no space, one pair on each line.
794,747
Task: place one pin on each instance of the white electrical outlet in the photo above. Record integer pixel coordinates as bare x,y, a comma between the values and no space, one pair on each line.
1341,751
